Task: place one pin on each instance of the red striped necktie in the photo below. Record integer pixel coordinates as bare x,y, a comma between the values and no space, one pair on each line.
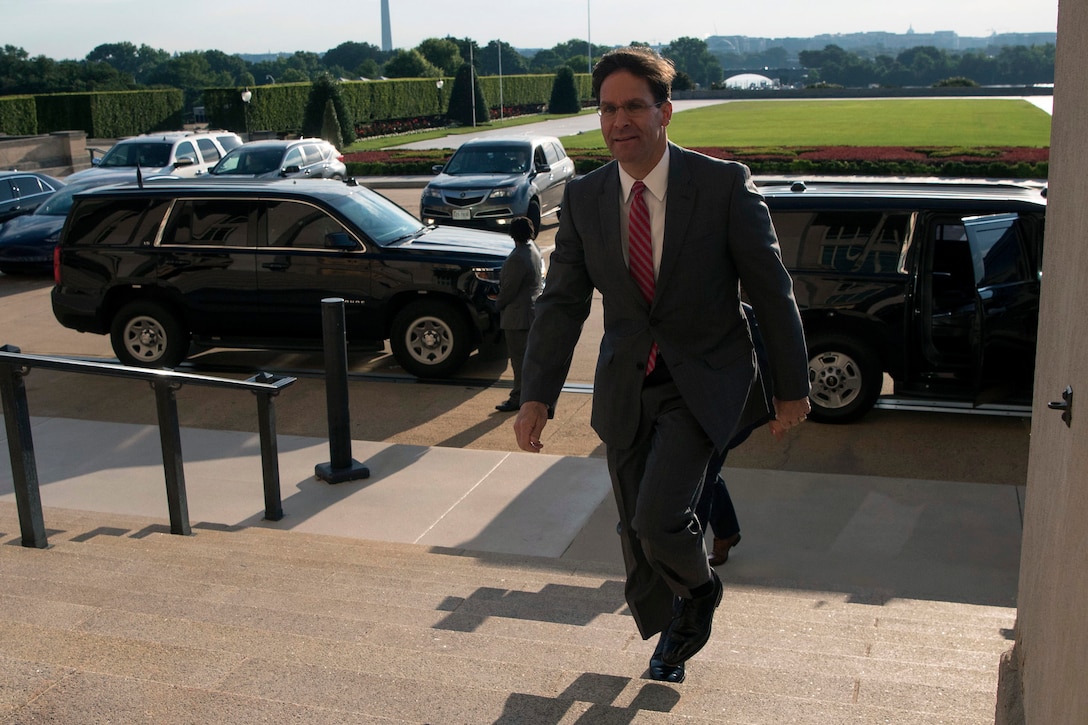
640,252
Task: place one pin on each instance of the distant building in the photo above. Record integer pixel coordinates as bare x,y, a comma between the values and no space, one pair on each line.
750,82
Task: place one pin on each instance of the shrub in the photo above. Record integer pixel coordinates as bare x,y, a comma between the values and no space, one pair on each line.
564,98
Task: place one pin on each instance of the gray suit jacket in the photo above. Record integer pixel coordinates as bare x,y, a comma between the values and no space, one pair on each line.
519,286
718,237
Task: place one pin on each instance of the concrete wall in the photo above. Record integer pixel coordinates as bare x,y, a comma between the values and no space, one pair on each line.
1043,679
58,153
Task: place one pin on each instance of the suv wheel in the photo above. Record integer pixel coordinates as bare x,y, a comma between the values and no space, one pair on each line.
845,376
430,339
534,216
147,334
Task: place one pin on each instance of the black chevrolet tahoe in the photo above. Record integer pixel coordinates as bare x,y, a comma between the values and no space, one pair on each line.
934,282
164,266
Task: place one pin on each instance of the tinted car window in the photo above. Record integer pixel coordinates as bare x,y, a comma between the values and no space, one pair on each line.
208,150
185,148
294,224
112,220
551,154
6,191
29,185
383,223
209,221
842,241
506,160
999,259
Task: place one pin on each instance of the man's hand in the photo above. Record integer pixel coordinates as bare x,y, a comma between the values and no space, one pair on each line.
787,414
532,417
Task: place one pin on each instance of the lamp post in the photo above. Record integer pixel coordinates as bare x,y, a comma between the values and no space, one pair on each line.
438,84
247,96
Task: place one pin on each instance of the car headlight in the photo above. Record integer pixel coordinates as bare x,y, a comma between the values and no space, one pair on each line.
504,192
487,274
429,193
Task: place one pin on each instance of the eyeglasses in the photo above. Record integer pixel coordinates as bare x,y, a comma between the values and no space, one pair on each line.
633,109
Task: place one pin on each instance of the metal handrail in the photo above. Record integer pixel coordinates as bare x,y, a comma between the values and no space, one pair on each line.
14,366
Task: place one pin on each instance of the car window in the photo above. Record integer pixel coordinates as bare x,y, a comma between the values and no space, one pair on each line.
208,150
848,241
29,185
229,142
551,153
312,154
380,220
143,153
7,192
102,221
210,221
185,149
539,159
299,225
497,160
996,250
293,157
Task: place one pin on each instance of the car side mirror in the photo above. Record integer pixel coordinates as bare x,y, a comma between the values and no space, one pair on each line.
340,240
437,168
184,161
543,168
293,169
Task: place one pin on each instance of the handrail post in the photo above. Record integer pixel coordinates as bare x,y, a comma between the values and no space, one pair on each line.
166,404
341,467
24,469
266,422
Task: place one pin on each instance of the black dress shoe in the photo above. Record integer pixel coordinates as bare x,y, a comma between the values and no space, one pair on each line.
508,407
690,628
659,670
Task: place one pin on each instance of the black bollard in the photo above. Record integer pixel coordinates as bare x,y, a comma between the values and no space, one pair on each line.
341,467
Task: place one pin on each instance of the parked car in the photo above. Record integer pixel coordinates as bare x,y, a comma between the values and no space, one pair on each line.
27,241
248,263
308,158
490,181
183,154
936,284
22,191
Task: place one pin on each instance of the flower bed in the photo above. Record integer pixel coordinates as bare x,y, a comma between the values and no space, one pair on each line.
1004,162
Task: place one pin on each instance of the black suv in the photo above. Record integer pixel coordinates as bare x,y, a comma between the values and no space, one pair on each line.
935,283
168,264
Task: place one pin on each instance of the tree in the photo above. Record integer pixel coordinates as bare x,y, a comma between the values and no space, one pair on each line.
351,55
564,98
410,64
325,91
513,62
466,88
545,61
691,56
442,53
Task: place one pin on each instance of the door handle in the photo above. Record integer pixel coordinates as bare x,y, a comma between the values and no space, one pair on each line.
1065,405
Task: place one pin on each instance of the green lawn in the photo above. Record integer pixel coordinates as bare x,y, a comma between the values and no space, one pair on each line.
887,122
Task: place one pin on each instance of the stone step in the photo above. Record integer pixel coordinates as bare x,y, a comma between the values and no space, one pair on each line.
288,621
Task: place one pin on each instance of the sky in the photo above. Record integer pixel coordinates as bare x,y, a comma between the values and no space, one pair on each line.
70,29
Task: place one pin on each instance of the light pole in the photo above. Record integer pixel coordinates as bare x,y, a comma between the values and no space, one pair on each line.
589,43
247,96
438,84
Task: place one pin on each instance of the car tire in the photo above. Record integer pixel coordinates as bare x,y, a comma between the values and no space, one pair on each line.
430,339
147,334
845,377
533,213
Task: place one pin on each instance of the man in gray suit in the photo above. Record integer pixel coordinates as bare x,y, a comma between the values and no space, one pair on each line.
676,361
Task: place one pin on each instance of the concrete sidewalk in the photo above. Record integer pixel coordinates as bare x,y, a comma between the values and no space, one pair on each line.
872,537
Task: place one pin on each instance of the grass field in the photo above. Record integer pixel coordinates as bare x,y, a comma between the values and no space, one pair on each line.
885,122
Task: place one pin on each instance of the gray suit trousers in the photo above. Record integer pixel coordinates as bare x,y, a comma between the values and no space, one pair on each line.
656,483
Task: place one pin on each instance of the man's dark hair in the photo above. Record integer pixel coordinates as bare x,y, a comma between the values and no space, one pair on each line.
521,229
640,61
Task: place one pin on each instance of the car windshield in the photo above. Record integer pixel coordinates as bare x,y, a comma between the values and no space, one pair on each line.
59,203
381,220
489,160
249,161
138,153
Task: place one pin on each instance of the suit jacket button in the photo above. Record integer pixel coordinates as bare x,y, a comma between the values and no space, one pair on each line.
640,366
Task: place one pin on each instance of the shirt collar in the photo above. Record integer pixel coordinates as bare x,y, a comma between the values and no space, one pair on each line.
657,181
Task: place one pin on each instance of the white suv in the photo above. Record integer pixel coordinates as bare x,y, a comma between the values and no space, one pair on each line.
180,154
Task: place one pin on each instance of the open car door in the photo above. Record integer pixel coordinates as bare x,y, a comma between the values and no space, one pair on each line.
1007,287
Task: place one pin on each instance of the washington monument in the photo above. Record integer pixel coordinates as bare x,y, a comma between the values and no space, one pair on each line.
387,33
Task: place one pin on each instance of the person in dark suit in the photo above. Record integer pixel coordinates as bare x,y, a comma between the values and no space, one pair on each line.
676,362
520,283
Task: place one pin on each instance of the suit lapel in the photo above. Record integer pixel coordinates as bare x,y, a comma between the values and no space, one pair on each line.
679,206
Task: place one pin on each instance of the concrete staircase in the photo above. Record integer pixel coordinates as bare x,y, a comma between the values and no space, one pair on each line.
120,622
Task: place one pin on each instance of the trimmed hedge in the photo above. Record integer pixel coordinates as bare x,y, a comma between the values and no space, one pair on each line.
110,115
18,116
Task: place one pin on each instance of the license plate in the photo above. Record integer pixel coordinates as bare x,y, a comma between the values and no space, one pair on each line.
461,214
